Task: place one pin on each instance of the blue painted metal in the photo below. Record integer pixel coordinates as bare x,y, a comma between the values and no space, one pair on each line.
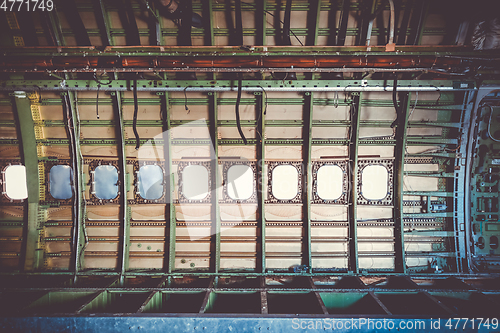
228,323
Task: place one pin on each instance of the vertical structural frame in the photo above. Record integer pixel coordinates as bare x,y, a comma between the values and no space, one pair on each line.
462,228
102,22
306,246
30,158
214,212
79,215
399,165
353,192
124,212
169,257
307,134
261,160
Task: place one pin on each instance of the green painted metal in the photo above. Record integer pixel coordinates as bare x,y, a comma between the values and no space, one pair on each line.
424,215
441,105
429,174
256,50
399,165
259,85
170,209
102,17
430,233
353,191
429,193
55,26
32,259
261,158
239,142
245,273
231,123
246,32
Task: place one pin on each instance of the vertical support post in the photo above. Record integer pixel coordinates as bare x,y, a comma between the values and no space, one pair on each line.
215,212
313,26
102,22
261,25
30,158
76,23
404,23
417,22
73,125
124,211
461,227
206,300
261,22
156,26
332,22
209,26
318,296
341,36
353,192
307,134
54,28
169,257
264,308
379,302
261,158
364,21
399,164
127,16
307,181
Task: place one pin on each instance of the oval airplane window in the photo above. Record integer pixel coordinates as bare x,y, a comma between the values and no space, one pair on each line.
61,182
150,182
15,182
106,182
329,182
240,182
374,182
285,182
195,182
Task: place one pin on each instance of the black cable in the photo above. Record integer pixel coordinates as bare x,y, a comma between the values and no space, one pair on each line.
238,23
99,83
97,102
237,109
265,105
136,110
261,112
395,102
186,101
285,36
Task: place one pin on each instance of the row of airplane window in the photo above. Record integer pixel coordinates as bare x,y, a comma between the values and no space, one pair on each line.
239,181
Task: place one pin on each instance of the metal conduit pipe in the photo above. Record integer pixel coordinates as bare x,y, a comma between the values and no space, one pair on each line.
392,22
235,89
391,25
